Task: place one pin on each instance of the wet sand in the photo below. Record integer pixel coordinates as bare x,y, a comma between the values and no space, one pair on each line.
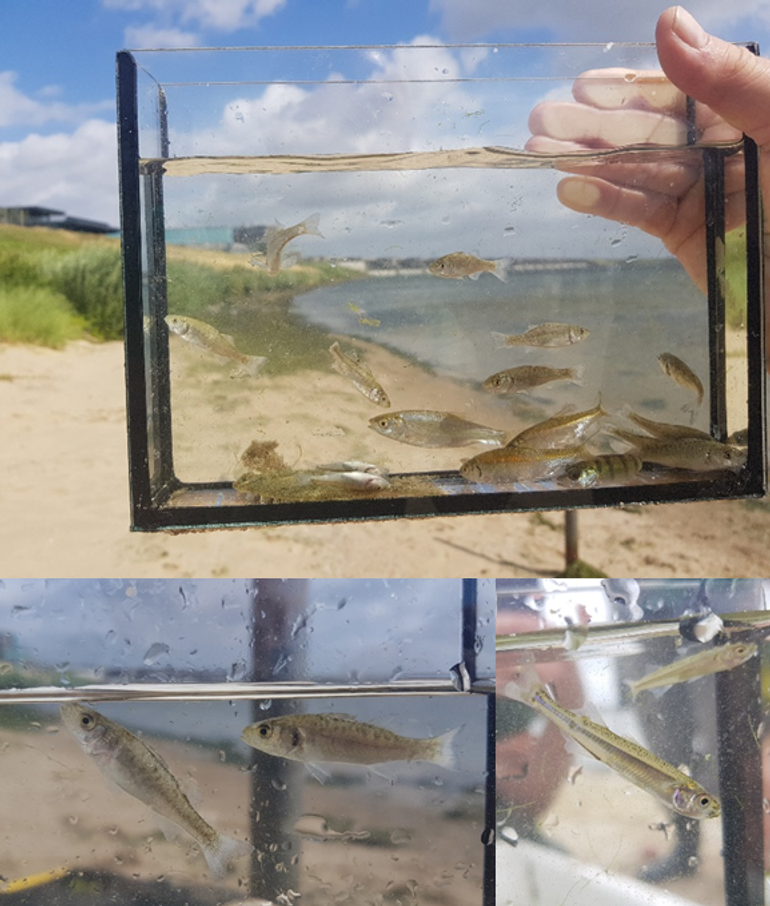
65,500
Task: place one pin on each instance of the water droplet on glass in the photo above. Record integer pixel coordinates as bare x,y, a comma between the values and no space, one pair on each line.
266,705
693,861
237,672
631,259
630,76
278,784
400,837
445,220
154,653
445,71
509,231
73,819
386,96
766,806
616,240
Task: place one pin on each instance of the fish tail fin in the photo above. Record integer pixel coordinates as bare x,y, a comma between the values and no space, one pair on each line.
578,374
222,851
499,339
250,368
444,749
501,269
526,685
633,687
312,224
258,260
475,276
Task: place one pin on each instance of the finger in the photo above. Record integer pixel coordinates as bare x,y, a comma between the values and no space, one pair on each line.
731,80
612,89
605,128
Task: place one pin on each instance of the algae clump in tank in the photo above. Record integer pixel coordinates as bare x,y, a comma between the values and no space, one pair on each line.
394,299
271,741
631,741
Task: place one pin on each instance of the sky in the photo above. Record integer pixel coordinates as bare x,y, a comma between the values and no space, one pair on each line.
57,83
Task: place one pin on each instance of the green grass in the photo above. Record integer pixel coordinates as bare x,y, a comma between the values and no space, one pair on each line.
37,314
56,286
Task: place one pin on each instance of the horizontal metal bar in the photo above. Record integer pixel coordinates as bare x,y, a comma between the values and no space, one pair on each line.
232,691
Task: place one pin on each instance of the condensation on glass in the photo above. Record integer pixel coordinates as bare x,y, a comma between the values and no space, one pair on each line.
333,254
185,666
575,830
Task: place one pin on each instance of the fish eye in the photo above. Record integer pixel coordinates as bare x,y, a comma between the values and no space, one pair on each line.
86,720
383,422
705,801
264,731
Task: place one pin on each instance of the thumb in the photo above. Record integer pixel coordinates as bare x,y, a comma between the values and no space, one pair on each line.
730,80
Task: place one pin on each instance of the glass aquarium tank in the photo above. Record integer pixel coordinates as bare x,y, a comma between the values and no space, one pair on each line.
270,742
353,291
632,742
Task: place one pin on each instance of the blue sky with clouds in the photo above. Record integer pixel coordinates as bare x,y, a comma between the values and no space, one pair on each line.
57,120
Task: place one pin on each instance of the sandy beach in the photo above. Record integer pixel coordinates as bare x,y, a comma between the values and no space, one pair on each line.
65,505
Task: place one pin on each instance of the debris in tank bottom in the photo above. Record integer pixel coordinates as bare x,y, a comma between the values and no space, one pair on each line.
271,480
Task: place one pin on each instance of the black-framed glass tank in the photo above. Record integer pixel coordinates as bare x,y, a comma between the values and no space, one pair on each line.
352,290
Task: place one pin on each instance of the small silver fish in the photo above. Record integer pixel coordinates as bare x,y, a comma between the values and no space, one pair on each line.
457,265
135,768
201,334
359,375
693,666
314,738
661,429
641,767
565,430
527,377
278,238
429,428
356,481
509,464
550,335
601,471
678,371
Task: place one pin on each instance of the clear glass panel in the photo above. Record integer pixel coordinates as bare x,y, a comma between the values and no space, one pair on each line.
342,184
378,795
581,829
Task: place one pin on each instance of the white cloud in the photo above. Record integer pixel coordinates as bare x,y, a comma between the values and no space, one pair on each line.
74,172
218,15
597,20
148,36
19,109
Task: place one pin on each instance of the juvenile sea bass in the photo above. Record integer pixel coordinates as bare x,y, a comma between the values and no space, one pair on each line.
655,776
678,371
457,265
526,377
135,768
428,428
316,738
199,333
693,666
359,375
662,429
543,335
600,471
278,238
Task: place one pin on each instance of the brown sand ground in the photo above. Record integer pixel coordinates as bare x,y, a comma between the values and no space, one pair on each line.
65,510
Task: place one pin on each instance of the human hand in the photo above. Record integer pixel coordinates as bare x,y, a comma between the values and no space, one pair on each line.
614,108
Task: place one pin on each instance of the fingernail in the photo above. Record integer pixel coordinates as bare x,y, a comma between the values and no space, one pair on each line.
687,29
579,194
